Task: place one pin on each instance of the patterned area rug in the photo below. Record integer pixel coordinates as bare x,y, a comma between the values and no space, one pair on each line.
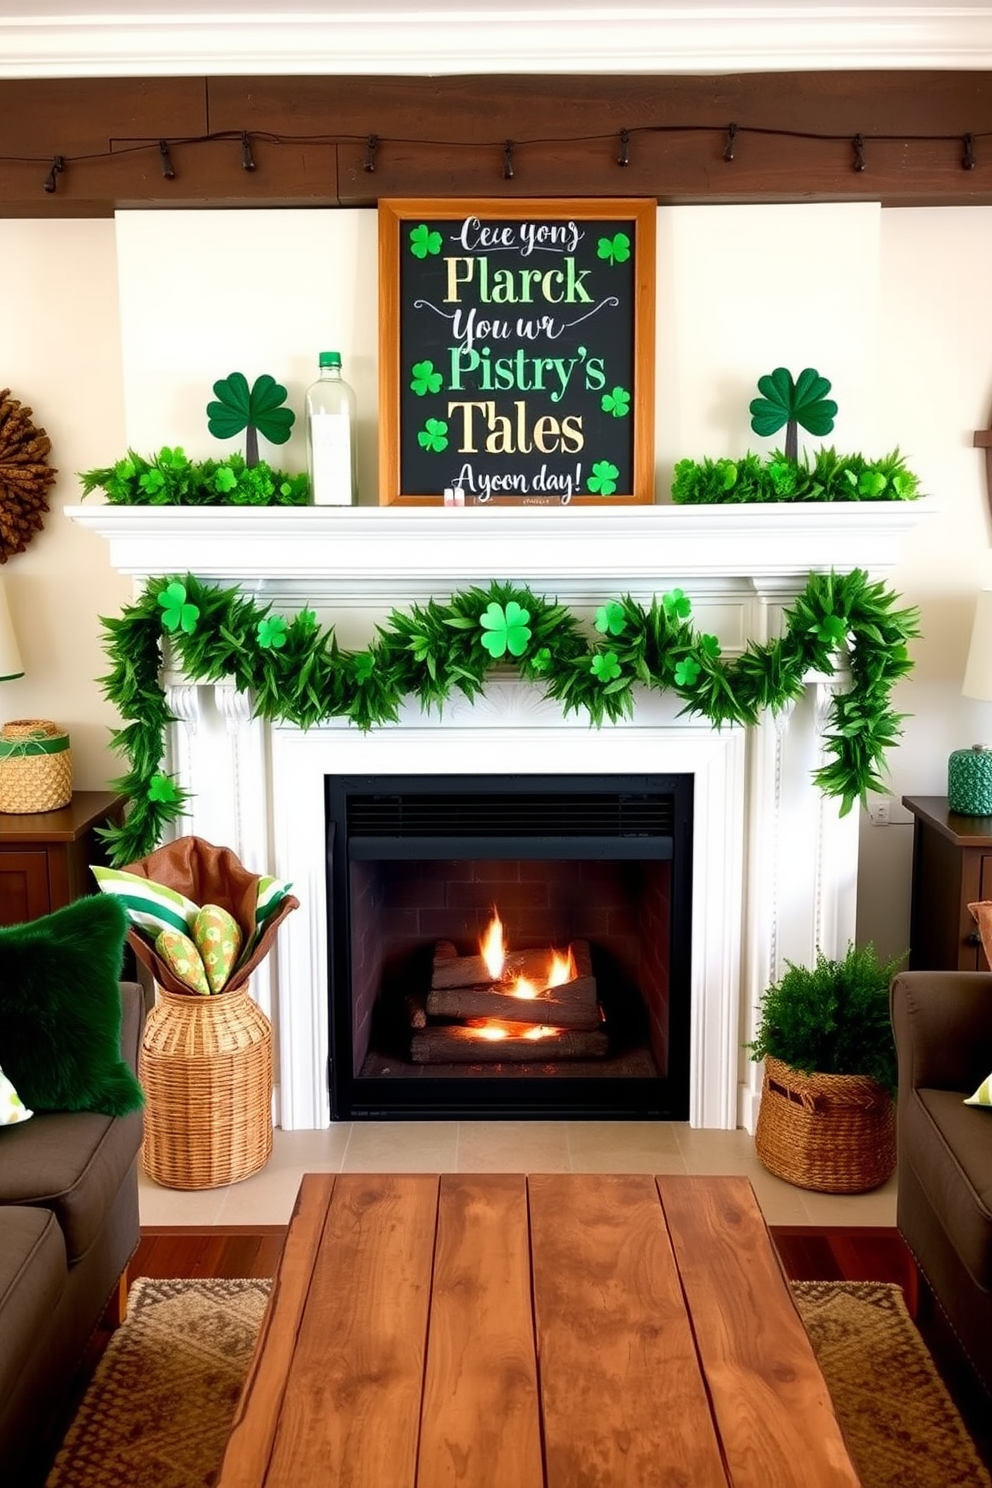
161,1402
901,1426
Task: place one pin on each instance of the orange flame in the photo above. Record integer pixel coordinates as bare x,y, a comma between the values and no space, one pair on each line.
492,947
492,1031
563,969
525,989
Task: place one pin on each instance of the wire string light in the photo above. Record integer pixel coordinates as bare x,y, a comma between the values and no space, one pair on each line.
728,134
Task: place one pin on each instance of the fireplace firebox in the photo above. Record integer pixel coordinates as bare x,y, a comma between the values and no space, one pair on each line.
509,945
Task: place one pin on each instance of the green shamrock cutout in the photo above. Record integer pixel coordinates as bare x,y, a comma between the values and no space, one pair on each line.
605,666
505,629
603,478
424,379
225,480
434,435
617,402
163,788
424,242
151,481
615,250
677,606
541,660
686,672
176,613
792,403
832,630
257,409
364,665
610,619
710,646
271,632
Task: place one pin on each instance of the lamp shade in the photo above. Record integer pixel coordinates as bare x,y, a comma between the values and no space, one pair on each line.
978,672
11,665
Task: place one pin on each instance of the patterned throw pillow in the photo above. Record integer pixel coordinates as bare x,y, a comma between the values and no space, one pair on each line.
983,1095
12,1108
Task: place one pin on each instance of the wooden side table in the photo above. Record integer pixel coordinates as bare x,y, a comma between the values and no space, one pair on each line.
45,856
952,868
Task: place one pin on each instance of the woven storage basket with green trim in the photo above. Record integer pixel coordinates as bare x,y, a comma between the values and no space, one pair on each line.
35,766
832,1133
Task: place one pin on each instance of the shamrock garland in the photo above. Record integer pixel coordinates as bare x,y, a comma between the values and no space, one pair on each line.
297,674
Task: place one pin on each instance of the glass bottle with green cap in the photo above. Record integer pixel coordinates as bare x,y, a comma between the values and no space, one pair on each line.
331,417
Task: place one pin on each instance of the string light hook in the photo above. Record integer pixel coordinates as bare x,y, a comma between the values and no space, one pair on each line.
508,161
58,166
167,170
624,157
247,158
371,145
859,152
968,159
728,149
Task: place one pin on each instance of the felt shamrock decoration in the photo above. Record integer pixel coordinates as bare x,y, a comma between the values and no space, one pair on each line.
790,403
257,409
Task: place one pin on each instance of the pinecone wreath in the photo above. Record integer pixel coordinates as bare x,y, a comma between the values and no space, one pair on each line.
25,476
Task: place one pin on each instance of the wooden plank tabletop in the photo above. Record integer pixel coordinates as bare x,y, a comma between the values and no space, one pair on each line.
549,1331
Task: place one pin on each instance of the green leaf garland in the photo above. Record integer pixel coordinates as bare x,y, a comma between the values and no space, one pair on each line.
296,673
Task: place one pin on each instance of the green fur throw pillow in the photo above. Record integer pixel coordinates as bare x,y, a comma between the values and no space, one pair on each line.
60,1009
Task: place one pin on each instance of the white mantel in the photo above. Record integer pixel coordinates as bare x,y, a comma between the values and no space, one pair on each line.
775,866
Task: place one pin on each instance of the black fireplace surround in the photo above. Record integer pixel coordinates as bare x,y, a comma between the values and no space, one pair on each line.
415,862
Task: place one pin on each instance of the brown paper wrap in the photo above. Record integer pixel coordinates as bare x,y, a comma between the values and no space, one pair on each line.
207,875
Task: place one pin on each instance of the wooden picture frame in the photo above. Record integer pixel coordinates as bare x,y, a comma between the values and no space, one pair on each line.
516,351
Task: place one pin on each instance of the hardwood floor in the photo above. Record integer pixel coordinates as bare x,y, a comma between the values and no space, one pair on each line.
843,1253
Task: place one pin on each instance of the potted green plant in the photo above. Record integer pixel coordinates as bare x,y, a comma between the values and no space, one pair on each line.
827,1115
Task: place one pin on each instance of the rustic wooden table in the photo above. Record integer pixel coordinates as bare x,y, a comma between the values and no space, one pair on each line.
550,1331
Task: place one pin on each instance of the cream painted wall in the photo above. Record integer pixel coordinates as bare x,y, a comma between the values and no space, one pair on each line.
60,353
886,304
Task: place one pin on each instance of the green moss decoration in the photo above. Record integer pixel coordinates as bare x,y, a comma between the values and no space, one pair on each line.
297,674
830,477
171,478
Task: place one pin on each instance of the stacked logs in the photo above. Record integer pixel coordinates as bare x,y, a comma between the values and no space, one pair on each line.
482,1021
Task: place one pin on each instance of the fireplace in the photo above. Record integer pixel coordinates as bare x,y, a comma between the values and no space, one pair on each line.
774,865
511,945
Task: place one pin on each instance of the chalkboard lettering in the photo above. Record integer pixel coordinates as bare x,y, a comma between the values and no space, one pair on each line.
516,350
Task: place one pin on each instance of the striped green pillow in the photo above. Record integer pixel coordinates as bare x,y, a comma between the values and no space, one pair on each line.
149,906
983,1095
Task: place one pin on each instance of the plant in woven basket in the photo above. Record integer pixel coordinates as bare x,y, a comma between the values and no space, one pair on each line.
832,1018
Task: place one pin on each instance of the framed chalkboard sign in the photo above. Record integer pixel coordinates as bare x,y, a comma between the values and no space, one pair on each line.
516,351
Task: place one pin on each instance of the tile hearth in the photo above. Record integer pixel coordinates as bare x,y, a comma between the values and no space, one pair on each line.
488,1146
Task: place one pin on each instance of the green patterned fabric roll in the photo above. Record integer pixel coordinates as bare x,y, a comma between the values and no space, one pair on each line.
969,781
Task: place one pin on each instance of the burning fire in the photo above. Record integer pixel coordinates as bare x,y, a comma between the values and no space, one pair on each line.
492,948
493,1030
563,969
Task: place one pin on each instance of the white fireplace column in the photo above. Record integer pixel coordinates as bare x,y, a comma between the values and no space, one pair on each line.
774,865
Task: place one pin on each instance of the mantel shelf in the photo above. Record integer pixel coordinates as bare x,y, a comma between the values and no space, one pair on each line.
375,549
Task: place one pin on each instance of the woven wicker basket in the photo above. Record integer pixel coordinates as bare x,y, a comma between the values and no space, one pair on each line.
832,1133
206,1068
35,766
